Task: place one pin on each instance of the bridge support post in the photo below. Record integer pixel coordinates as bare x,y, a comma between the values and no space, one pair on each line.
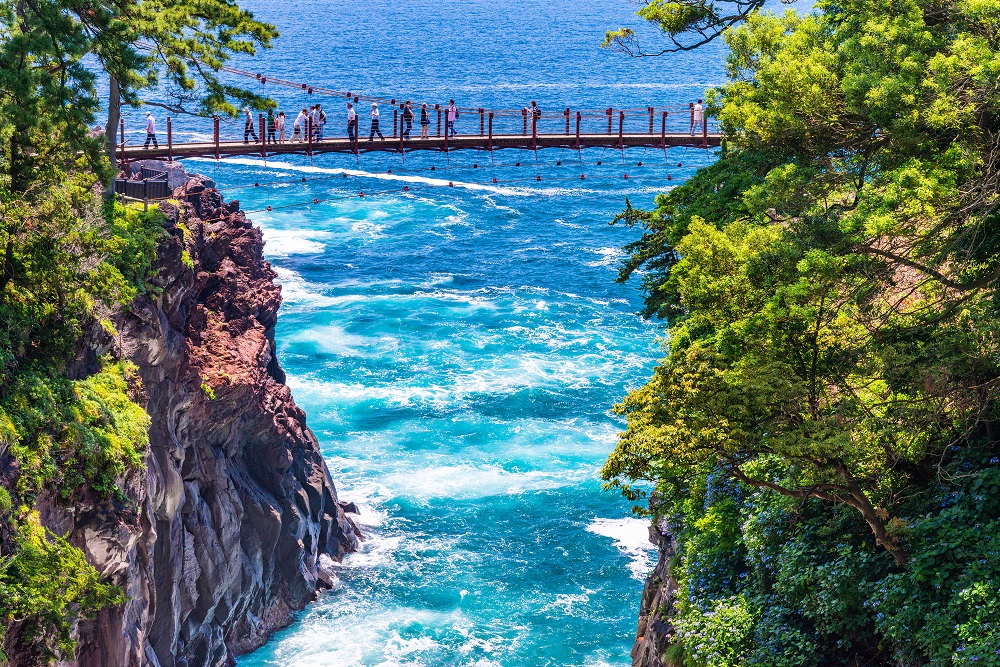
578,116
621,127
309,131
437,107
650,119
482,114
663,132
263,135
170,141
395,119
704,130
566,113
534,132
491,132
524,114
215,132
122,125
609,112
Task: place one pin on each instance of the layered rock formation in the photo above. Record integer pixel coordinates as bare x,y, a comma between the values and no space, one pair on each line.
654,633
234,523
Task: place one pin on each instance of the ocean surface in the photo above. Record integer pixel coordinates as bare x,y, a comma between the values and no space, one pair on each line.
458,345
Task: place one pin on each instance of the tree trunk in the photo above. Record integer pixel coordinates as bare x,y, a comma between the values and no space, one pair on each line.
114,116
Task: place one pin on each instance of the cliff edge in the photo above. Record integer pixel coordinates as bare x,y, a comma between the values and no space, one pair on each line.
654,634
234,523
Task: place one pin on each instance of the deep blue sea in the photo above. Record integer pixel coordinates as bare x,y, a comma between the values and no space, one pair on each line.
458,347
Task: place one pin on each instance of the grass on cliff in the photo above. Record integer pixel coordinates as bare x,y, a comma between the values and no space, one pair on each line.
76,263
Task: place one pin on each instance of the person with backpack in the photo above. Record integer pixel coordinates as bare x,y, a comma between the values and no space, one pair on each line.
248,130
407,119
452,116
375,119
534,113
270,126
425,122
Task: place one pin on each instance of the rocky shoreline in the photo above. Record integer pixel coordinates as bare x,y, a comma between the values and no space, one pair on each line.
234,524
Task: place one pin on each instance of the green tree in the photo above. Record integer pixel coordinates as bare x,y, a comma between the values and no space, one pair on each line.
830,285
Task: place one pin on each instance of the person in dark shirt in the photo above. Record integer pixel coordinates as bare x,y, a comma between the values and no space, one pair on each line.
407,119
425,121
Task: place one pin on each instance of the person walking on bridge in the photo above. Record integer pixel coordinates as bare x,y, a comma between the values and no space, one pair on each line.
150,131
248,127
352,122
279,124
299,126
452,116
697,118
320,122
375,119
407,120
425,122
270,126
314,121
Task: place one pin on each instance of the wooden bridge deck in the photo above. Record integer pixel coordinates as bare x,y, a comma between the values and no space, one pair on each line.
415,143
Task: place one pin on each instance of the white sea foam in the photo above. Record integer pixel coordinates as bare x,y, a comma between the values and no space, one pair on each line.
631,536
467,481
287,242
565,603
296,291
609,256
333,339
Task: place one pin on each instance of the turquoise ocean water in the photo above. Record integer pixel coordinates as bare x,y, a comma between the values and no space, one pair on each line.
458,348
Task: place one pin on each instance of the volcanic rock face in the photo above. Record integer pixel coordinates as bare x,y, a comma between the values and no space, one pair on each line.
653,635
234,522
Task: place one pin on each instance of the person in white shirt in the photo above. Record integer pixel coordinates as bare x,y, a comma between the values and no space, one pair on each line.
697,117
375,119
279,125
150,131
248,130
352,122
452,116
299,126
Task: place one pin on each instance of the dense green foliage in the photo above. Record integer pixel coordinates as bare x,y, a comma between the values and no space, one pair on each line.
70,262
822,434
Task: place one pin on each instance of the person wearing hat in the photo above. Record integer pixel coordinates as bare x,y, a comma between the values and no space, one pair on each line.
150,131
375,116
248,129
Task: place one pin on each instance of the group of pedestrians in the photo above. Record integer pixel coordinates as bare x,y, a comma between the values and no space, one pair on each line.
313,119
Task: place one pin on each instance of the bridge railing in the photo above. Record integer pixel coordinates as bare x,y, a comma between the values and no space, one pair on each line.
566,121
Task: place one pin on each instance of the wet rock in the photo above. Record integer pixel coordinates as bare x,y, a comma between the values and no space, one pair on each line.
349,508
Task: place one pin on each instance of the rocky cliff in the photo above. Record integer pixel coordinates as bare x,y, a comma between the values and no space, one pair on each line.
654,633
234,523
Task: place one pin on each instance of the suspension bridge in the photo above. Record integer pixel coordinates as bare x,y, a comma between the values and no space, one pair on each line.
487,130
475,128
